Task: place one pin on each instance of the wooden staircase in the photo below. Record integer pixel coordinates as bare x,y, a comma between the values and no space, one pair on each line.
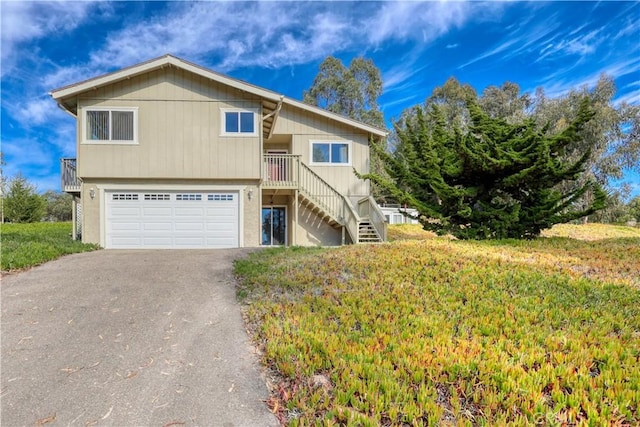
364,223
367,232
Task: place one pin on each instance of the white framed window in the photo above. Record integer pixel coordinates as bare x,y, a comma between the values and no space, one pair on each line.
334,153
238,122
117,125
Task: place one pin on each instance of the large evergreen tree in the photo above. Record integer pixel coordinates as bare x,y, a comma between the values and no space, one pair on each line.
493,179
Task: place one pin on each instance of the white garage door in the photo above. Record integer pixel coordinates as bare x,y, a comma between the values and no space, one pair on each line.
171,219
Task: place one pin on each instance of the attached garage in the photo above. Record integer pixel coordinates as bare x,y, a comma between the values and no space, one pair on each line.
172,219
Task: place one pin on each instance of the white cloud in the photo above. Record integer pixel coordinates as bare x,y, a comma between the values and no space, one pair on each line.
26,20
269,34
273,34
421,21
632,97
522,38
36,111
582,45
562,81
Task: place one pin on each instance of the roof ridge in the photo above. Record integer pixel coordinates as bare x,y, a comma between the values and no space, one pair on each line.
123,73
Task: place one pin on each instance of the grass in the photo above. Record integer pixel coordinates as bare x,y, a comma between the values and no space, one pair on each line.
592,231
434,331
27,245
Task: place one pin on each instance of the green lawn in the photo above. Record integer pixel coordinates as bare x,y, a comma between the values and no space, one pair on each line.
26,245
433,331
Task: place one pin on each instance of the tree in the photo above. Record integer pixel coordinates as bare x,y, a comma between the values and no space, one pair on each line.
59,206
494,180
506,102
613,135
451,99
22,203
615,210
352,92
634,208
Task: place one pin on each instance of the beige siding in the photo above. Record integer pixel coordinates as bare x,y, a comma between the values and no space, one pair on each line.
306,127
313,231
90,214
179,131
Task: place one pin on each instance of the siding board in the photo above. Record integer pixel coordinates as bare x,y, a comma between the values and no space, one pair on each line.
178,130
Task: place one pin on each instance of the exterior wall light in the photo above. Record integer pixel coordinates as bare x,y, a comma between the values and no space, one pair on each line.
250,194
92,193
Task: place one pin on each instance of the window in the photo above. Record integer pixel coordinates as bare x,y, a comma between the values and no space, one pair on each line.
238,122
189,196
125,196
110,125
157,197
220,197
333,153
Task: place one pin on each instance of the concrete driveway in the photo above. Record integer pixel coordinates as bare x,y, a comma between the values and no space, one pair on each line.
129,338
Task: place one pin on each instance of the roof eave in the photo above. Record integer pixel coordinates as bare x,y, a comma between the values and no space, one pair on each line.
154,64
337,117
65,92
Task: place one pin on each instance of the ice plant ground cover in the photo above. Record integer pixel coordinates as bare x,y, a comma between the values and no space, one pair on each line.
434,331
26,245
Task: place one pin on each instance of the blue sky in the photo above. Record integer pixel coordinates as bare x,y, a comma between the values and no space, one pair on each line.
279,45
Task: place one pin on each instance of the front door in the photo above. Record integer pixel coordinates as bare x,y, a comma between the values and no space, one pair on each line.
274,226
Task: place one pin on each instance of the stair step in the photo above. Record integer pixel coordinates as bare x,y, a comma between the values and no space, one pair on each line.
367,233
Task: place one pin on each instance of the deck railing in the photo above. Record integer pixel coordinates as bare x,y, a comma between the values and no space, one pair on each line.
281,170
69,176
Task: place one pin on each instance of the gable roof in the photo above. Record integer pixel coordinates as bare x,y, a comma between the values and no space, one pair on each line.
271,101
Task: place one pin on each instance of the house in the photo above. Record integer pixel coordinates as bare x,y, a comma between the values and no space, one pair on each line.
174,155
395,214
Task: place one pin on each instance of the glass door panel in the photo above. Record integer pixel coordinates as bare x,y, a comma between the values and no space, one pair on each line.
274,226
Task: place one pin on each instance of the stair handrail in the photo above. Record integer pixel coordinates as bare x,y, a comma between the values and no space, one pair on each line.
323,194
329,199
352,220
367,207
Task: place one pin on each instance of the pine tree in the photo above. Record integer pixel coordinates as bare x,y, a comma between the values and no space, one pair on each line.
22,203
492,180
